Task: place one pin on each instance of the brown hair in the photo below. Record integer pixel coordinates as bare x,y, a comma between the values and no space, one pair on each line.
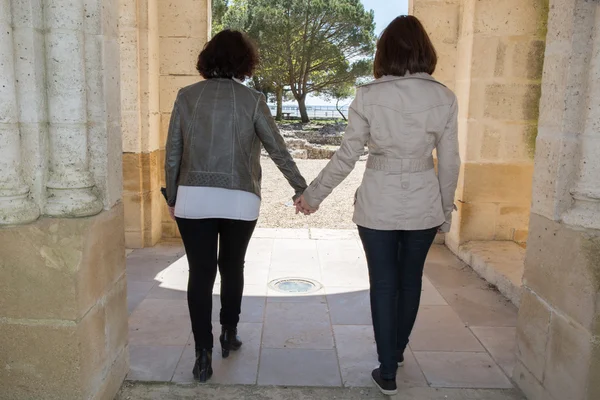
404,46
229,54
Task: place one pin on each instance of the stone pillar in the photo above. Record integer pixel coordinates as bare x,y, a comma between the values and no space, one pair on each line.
70,184
63,305
441,19
495,52
558,334
184,28
15,205
141,122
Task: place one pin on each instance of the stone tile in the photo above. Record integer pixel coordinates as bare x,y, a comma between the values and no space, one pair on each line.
501,343
277,233
240,368
358,357
153,363
430,296
333,234
260,250
157,322
255,272
345,274
438,328
469,295
340,250
296,255
136,292
299,367
349,306
297,326
145,267
461,369
253,309
481,306
167,293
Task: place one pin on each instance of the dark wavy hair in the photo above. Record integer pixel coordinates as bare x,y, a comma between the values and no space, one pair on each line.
404,46
229,54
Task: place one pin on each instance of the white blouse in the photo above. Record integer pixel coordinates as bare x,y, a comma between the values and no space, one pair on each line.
200,202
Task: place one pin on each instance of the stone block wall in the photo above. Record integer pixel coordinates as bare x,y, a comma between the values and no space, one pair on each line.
184,28
491,54
139,45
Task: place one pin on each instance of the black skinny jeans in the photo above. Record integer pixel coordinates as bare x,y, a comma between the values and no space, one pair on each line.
203,239
396,260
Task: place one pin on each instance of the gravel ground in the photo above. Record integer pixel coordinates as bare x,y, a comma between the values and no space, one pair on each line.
277,209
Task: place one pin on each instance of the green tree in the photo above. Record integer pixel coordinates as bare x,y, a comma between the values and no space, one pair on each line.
219,9
327,44
307,46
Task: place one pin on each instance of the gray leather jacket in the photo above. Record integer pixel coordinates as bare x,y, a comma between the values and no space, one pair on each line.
216,130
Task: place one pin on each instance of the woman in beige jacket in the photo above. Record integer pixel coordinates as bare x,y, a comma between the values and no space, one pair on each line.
402,203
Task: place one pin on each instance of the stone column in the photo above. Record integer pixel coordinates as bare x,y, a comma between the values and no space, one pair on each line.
63,289
15,205
184,28
586,194
558,333
70,184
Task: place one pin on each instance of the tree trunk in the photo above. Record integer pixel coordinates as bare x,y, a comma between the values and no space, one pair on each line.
279,93
302,108
337,106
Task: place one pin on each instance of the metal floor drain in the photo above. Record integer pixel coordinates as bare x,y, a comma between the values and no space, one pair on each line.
295,285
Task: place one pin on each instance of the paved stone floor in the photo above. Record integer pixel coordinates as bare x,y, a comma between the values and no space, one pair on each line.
464,336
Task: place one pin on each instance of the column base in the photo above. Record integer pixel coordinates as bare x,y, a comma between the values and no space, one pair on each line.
16,210
63,308
72,203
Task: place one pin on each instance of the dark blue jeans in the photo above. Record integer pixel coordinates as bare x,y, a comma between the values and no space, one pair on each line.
396,260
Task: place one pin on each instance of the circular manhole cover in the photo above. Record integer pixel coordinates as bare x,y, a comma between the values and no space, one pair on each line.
295,285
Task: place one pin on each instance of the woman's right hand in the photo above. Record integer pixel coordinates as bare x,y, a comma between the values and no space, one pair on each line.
303,207
172,213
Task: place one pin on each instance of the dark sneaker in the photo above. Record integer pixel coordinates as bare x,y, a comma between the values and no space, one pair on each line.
400,358
386,386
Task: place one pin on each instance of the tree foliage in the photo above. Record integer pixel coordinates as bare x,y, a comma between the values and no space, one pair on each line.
307,46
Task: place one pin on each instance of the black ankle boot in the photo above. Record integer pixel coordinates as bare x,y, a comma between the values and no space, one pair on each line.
229,340
203,367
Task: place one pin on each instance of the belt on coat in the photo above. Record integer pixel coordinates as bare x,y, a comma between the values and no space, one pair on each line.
400,165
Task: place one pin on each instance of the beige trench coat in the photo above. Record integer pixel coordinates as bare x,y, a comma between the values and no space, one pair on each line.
402,120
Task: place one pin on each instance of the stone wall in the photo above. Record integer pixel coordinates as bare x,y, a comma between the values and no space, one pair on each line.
184,28
138,30
491,54
558,337
63,308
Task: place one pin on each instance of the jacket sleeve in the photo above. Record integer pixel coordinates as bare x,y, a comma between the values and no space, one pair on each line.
448,165
273,142
174,153
343,161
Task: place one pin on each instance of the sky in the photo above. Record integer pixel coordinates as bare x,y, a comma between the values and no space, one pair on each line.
385,12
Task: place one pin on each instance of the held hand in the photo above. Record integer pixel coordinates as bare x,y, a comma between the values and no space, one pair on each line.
303,207
172,213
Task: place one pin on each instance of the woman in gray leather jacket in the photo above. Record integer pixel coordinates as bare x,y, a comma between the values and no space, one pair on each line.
213,179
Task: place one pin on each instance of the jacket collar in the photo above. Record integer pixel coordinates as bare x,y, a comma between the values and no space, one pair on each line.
392,78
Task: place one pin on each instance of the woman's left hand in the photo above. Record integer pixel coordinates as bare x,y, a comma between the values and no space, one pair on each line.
172,213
